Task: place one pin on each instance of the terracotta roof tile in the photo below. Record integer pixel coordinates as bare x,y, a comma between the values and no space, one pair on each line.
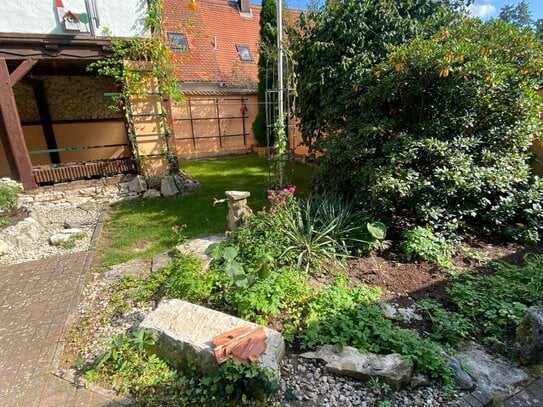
220,18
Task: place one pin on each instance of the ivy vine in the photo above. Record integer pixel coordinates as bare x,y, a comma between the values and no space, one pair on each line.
140,64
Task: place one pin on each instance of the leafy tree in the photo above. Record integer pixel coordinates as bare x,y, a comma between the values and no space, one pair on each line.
519,15
439,132
337,46
539,29
267,60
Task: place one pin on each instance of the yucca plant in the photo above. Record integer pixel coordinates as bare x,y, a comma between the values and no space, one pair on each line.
323,230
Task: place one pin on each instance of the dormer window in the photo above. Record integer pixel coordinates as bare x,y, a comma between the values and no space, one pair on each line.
179,42
244,53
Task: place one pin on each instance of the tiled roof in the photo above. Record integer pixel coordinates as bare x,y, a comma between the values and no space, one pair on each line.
220,19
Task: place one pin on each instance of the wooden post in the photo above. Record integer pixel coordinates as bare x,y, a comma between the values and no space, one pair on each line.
11,131
46,123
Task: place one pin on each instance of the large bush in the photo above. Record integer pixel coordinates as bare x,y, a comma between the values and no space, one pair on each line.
443,131
337,46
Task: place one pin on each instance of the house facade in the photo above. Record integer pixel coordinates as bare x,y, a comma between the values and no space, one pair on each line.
52,111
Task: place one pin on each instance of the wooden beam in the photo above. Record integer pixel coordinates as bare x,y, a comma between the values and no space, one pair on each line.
46,122
11,132
21,70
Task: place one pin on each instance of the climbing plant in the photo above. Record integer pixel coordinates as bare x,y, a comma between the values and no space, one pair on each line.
139,65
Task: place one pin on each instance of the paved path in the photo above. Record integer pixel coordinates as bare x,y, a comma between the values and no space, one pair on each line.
37,300
531,396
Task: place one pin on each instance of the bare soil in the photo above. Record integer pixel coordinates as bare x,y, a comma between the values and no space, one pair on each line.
407,282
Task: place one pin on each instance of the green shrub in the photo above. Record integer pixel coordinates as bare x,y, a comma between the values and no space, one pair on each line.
188,281
447,327
439,133
130,365
349,317
309,234
422,244
496,303
8,198
283,293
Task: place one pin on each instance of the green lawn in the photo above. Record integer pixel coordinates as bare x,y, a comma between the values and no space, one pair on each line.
143,227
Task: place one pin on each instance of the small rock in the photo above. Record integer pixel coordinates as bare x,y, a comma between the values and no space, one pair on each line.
160,261
72,225
168,186
138,184
419,380
4,247
59,238
130,268
529,341
462,379
151,193
391,369
72,231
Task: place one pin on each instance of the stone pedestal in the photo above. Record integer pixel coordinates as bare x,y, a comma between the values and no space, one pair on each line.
238,209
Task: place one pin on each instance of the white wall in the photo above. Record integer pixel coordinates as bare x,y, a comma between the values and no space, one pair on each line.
123,18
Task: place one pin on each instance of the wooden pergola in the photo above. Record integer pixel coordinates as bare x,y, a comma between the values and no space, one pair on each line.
18,55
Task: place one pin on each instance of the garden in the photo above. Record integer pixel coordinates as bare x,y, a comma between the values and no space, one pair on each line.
415,233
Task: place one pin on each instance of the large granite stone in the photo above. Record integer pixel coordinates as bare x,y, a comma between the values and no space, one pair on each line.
529,343
492,373
138,184
391,369
185,333
168,187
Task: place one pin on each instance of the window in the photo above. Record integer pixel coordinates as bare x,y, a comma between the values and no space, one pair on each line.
244,53
178,42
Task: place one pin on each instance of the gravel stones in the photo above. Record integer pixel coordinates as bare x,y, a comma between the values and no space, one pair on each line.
391,369
29,239
309,384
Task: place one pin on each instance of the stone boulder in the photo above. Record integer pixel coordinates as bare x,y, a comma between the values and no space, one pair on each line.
185,333
391,369
23,233
59,238
168,187
138,184
199,246
462,379
4,247
160,261
529,341
151,193
492,373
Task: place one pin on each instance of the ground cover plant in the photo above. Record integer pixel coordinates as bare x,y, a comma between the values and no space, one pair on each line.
143,227
8,201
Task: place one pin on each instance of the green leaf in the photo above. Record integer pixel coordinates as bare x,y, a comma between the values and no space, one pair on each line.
377,230
214,250
230,253
233,268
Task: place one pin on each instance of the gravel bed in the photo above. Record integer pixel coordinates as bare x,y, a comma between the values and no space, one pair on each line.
305,383
52,219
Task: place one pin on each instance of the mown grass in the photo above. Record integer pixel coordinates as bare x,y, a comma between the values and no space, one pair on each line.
143,227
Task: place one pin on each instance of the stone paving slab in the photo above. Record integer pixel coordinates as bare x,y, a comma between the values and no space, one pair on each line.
37,301
531,396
